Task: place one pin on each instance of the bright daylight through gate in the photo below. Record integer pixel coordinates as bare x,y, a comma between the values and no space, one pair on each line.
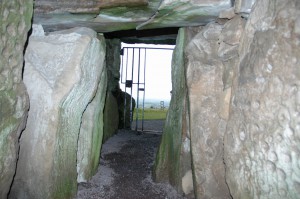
146,76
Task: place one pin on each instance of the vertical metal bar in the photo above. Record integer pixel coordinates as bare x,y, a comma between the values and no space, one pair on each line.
122,63
144,90
125,102
132,73
138,91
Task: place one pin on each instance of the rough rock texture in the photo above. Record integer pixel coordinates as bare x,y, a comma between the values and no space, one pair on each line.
182,13
173,157
61,75
103,20
111,109
79,6
125,115
243,6
15,21
125,15
91,130
113,62
205,92
111,116
262,145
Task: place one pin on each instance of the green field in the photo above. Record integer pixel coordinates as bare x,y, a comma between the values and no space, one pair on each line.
152,114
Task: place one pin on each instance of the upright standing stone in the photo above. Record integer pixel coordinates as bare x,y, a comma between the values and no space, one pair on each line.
205,91
62,73
111,109
262,142
91,130
173,157
15,21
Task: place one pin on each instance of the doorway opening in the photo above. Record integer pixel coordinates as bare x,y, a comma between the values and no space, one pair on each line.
145,75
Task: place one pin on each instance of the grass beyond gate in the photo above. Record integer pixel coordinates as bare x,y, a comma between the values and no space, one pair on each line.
151,114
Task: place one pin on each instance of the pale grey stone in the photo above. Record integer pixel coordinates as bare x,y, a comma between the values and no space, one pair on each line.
37,30
61,74
262,138
227,14
243,6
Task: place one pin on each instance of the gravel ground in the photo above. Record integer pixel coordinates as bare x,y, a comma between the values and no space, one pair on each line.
150,125
125,170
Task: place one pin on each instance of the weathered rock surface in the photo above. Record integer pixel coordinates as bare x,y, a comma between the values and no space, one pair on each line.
111,116
243,6
173,157
207,128
111,108
79,6
182,13
125,103
61,74
262,145
15,20
125,15
91,129
113,62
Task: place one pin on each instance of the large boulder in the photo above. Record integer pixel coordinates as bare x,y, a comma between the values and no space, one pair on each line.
15,20
62,72
262,142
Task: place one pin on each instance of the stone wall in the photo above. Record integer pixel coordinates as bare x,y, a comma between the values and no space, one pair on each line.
243,96
205,94
111,108
62,72
262,142
173,157
15,21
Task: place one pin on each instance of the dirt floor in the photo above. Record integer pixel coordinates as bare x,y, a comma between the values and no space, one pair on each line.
125,170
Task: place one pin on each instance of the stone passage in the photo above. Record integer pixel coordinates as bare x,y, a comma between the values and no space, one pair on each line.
232,130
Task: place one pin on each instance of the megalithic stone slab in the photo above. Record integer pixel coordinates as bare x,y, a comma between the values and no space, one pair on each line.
205,92
62,73
91,130
262,142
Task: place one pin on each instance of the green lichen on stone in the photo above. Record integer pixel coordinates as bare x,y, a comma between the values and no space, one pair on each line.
182,14
138,12
98,127
15,21
167,164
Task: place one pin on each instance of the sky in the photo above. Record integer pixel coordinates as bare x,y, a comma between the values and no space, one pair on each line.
157,74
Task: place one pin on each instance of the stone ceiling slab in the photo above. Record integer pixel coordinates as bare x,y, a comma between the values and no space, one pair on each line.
82,6
107,16
181,13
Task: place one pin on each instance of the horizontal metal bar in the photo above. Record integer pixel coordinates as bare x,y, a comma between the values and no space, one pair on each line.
150,48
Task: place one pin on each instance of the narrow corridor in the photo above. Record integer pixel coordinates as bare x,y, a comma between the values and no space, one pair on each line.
125,170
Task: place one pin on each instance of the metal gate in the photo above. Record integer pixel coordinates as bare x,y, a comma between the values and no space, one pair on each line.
133,76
